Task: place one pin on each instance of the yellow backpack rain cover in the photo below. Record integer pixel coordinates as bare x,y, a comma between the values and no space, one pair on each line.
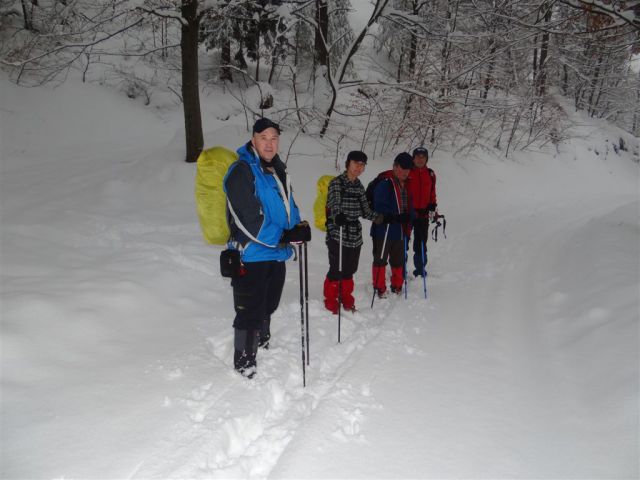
211,201
320,205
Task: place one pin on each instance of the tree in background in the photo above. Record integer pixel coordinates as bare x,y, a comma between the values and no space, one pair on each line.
473,73
64,35
486,72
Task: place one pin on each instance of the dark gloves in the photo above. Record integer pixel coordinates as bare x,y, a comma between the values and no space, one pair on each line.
300,233
378,219
425,212
341,220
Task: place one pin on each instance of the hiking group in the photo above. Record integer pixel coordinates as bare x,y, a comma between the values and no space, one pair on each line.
264,222
398,202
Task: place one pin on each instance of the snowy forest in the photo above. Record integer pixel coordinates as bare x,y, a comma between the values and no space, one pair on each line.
516,355
466,74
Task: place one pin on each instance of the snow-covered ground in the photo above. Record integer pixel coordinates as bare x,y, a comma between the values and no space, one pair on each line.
116,325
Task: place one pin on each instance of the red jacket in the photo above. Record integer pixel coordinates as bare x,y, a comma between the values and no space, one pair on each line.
422,189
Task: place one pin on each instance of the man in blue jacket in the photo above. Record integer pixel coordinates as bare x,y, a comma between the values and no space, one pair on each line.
263,219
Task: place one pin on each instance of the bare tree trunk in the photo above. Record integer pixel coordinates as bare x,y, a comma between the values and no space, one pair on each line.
488,79
594,81
272,70
636,113
225,58
296,56
275,54
190,84
322,33
413,45
258,59
28,24
534,67
295,97
400,61
353,48
544,52
164,35
600,88
452,18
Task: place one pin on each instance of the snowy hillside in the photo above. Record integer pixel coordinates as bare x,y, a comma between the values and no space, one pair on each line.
116,325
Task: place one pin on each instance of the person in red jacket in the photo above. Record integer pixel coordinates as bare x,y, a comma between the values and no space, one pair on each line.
422,189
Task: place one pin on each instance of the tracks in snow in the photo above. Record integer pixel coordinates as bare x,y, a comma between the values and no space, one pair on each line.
238,428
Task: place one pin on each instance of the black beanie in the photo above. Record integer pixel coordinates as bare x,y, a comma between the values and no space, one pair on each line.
404,160
263,123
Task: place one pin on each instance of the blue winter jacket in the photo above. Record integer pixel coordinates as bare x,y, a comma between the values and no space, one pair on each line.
260,206
386,201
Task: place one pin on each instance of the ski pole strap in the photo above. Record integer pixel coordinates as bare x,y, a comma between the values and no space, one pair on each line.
242,228
443,224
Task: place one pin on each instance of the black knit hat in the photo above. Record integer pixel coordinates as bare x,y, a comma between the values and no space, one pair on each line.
421,151
263,123
357,156
404,160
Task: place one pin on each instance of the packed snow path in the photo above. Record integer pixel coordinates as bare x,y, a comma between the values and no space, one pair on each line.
479,372
117,340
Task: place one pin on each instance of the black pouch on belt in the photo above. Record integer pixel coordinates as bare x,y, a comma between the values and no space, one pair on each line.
230,264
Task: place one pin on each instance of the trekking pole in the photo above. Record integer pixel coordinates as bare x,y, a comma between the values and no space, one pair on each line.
306,299
302,334
424,270
384,243
404,271
339,284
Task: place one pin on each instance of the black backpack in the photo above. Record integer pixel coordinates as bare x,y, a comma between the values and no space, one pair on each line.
371,187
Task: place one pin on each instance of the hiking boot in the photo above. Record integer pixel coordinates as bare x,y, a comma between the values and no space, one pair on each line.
381,293
263,341
396,290
248,372
244,354
265,333
244,363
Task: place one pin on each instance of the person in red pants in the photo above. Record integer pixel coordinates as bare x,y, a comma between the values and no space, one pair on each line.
391,198
346,203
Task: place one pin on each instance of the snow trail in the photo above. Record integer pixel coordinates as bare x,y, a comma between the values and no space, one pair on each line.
489,374
242,429
116,325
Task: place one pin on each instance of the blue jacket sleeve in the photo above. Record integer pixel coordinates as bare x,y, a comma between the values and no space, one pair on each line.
240,189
